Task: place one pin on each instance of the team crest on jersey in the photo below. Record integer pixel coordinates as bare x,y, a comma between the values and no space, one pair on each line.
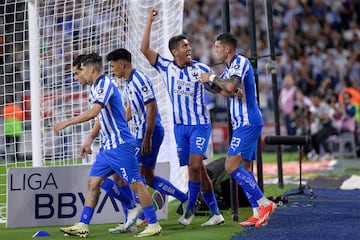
144,89
100,91
195,74
237,66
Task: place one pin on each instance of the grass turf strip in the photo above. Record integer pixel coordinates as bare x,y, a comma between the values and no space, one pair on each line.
171,229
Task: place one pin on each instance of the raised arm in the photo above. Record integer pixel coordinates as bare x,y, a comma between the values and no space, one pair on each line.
149,53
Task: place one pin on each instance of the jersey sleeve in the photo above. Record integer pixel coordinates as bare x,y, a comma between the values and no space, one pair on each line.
239,68
147,92
161,63
103,91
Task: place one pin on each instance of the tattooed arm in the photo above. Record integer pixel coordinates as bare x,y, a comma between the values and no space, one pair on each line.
228,86
213,88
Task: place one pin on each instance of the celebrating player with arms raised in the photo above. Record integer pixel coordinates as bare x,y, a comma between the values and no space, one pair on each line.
192,126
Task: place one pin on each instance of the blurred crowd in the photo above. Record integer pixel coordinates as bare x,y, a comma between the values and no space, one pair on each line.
318,43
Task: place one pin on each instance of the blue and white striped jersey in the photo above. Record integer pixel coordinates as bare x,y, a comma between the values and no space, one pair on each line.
114,127
139,91
186,92
244,111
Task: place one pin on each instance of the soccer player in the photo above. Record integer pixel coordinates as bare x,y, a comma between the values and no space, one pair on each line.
116,188
192,126
237,82
117,153
149,130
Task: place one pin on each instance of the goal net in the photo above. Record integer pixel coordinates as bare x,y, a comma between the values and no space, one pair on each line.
51,34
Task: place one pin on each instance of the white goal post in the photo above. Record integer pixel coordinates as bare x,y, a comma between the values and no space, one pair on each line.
38,53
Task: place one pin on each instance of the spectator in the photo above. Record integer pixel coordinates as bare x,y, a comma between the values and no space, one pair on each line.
287,103
323,127
353,33
355,97
344,114
301,113
332,25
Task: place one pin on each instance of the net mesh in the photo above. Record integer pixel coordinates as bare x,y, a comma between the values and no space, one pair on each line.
66,29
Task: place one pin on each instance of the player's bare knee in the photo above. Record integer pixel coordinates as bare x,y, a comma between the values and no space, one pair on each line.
137,186
232,163
195,169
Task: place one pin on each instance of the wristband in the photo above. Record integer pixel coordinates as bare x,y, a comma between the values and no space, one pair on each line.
212,77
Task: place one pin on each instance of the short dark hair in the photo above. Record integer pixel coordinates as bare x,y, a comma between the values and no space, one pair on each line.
78,60
119,54
227,39
174,41
318,94
92,59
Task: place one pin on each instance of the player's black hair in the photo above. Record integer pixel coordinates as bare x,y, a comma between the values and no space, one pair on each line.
174,41
227,39
92,59
119,54
78,60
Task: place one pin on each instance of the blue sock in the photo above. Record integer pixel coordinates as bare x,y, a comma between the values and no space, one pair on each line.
115,191
86,215
167,188
150,214
210,200
252,201
125,210
141,216
127,190
194,189
247,182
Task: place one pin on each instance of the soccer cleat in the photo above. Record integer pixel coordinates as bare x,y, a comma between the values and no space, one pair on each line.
132,216
182,207
150,230
265,213
251,221
186,218
312,156
122,229
214,220
78,229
